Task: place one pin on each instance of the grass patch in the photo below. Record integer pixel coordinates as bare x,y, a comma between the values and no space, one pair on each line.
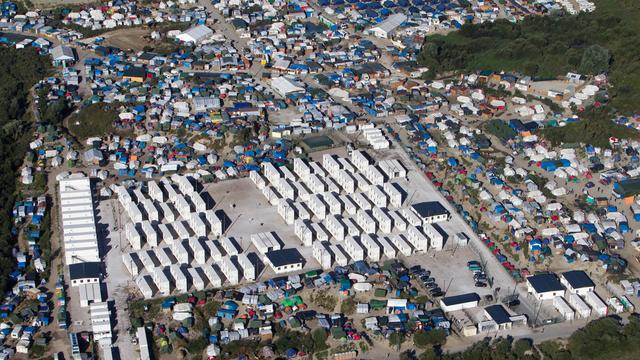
93,120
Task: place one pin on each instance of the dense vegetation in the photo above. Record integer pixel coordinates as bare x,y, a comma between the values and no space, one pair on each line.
595,128
19,71
500,129
548,46
602,339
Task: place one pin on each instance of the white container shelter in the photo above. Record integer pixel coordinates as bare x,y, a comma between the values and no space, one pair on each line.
152,211
162,281
303,231
375,176
229,246
352,227
411,217
171,192
563,308
212,275
144,287
214,222
213,250
346,181
196,279
366,222
146,260
353,249
317,206
197,225
373,250
394,194
322,255
402,245
181,230
165,233
182,285
361,160
287,211
387,248
155,192
362,201
150,234
398,221
339,257
301,211
377,196
230,270
330,164
180,252
350,206
133,236
270,172
417,239
248,269
199,254
134,212
198,202
130,264
167,213
595,302
335,205
319,232
259,180
162,256
581,308
436,238
383,219
337,229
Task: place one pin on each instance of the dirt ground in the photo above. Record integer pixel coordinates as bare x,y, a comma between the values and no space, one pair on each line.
48,4
129,38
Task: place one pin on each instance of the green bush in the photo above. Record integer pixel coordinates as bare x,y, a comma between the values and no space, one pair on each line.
424,339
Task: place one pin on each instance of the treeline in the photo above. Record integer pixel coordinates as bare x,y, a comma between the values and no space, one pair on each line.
606,338
548,46
19,71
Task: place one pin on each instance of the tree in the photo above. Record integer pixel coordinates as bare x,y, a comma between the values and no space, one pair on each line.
429,354
595,60
424,339
319,337
348,306
521,346
396,339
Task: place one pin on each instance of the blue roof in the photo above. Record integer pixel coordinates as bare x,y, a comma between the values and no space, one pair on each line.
578,279
498,314
545,283
460,299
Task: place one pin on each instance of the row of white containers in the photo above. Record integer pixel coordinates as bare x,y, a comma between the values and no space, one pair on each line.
573,306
